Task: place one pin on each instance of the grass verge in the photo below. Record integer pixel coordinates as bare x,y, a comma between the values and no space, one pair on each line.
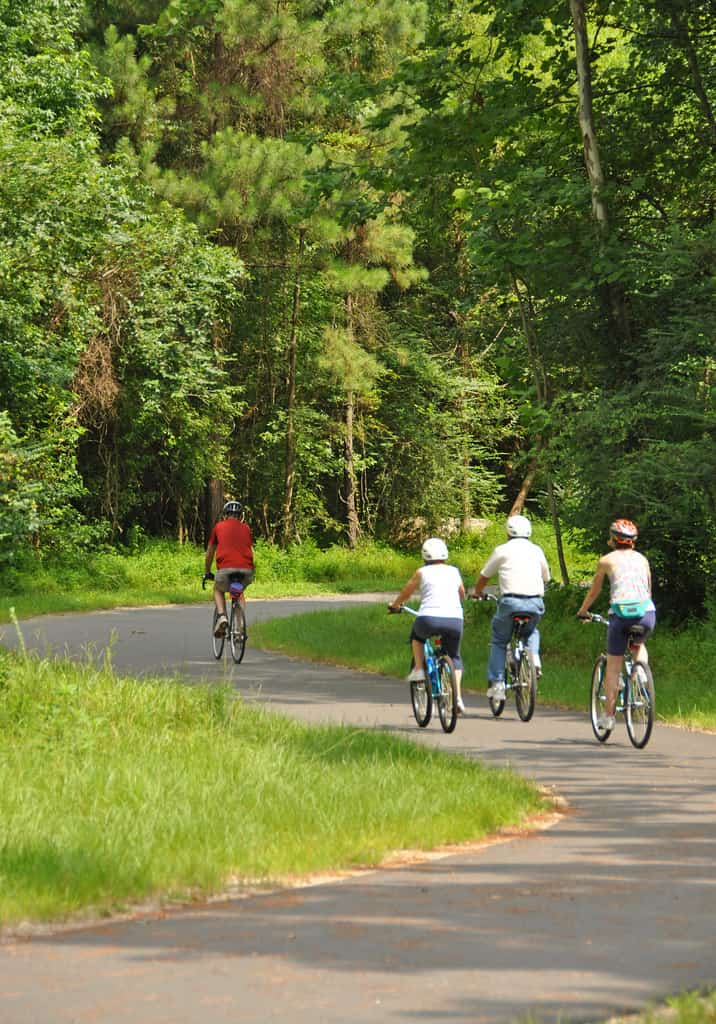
115,791
164,572
695,1007
367,637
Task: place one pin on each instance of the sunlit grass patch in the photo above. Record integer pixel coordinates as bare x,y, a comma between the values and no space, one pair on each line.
367,637
114,790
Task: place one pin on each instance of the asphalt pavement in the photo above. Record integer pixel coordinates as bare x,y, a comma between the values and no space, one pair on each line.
609,909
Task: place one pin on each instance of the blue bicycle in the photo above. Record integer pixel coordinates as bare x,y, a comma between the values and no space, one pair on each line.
439,686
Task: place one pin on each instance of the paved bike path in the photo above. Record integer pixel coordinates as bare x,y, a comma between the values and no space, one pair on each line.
611,908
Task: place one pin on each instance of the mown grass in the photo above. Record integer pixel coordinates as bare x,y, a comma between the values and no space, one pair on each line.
164,572
367,637
695,1007
114,791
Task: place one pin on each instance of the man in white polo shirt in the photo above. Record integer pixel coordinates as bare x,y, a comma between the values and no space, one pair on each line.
522,572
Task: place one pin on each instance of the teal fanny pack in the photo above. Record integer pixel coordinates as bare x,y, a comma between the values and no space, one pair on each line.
631,609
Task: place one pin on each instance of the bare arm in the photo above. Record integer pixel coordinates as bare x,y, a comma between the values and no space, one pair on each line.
407,590
595,589
482,582
208,560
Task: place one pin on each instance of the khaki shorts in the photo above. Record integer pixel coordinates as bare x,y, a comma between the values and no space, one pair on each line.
224,577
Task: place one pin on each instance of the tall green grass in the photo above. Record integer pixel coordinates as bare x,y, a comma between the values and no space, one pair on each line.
164,572
367,637
115,791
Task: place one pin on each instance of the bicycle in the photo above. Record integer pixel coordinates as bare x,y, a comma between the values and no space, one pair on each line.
440,687
520,670
635,696
236,624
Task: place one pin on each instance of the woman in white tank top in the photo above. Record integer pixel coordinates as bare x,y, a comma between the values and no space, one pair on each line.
441,595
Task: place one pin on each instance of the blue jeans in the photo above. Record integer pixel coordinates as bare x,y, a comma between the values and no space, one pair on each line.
502,631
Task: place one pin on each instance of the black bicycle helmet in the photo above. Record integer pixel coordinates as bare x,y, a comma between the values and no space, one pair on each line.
233,508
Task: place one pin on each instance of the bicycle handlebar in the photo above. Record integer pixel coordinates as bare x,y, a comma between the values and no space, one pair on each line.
401,608
593,617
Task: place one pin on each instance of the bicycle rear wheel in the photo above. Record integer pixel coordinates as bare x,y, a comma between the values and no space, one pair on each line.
639,704
598,698
447,698
498,706
217,642
237,631
526,687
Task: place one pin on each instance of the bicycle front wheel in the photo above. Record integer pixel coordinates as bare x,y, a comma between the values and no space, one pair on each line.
217,642
526,687
639,704
447,698
237,631
598,698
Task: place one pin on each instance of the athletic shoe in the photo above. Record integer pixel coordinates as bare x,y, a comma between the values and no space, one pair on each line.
460,706
606,723
417,676
496,691
222,624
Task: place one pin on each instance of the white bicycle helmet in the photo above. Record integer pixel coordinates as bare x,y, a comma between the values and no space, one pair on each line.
434,550
518,526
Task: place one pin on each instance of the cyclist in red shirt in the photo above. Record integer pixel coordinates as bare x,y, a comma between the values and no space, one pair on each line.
232,544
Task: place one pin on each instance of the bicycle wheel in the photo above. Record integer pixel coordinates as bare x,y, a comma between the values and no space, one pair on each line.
498,706
639,704
217,642
237,631
526,687
447,699
598,698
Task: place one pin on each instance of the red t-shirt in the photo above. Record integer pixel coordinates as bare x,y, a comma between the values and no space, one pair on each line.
233,544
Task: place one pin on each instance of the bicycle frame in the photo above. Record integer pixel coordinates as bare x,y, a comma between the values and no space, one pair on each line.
431,653
441,687
520,679
635,693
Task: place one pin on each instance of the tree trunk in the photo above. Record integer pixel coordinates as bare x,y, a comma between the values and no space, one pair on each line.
519,503
214,505
595,173
349,459
682,34
557,532
287,524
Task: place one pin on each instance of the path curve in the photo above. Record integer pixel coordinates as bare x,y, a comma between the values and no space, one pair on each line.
610,909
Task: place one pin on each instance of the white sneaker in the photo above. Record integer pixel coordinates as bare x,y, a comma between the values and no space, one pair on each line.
460,706
496,691
221,626
417,676
606,722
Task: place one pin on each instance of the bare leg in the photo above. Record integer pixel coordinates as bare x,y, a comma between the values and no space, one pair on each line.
418,654
219,601
640,653
458,681
611,682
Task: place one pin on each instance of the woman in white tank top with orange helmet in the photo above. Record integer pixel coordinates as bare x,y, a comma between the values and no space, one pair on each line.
630,603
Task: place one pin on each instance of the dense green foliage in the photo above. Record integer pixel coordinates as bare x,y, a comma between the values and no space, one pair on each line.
356,263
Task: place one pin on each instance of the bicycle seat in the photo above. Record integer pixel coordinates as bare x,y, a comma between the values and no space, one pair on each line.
521,618
636,634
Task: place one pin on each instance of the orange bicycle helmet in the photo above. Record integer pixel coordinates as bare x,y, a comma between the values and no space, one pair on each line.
623,532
